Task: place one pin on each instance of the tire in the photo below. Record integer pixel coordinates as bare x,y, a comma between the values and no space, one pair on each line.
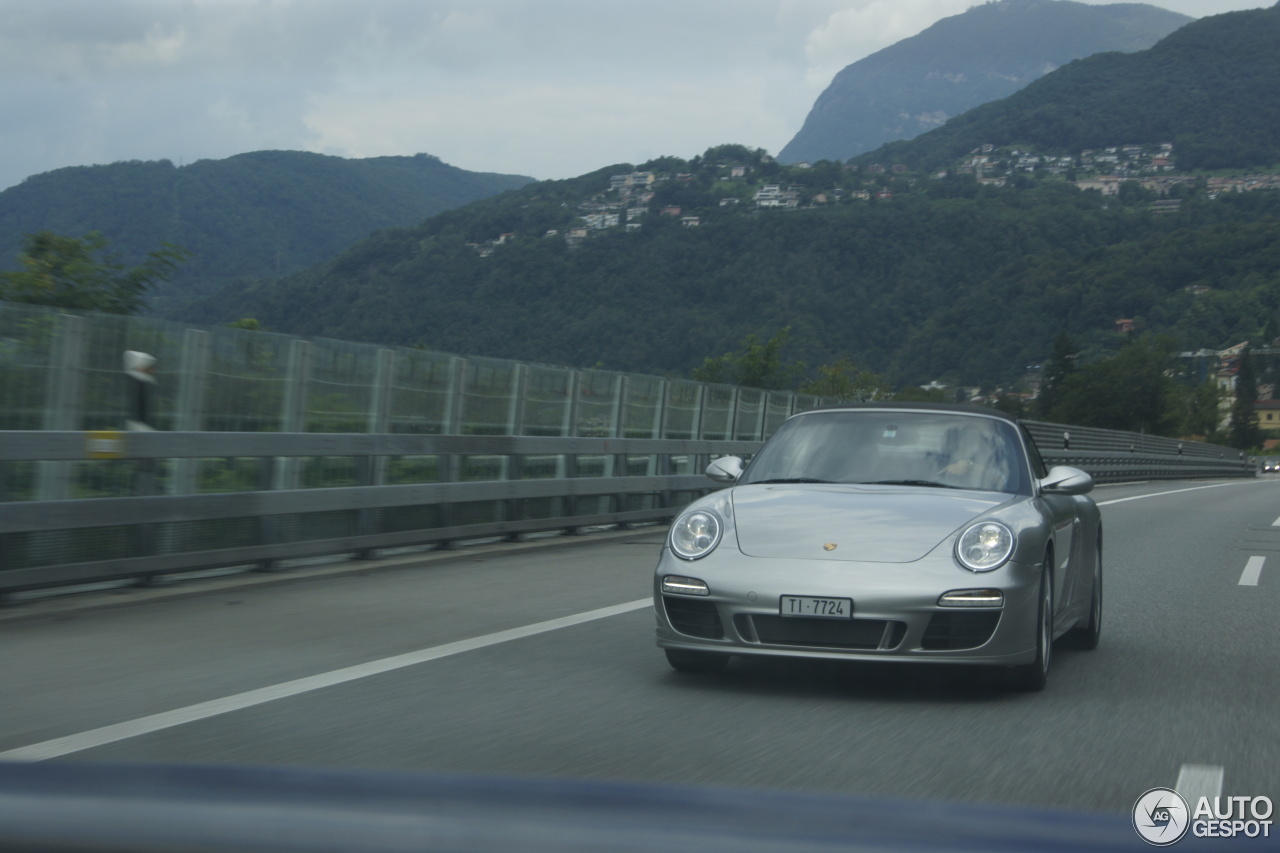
1035,675
1086,636
685,661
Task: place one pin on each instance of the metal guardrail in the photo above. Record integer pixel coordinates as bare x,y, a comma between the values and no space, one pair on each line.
1115,456
163,518
154,531
245,471
1119,467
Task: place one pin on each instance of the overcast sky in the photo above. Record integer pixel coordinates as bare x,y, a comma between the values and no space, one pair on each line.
547,88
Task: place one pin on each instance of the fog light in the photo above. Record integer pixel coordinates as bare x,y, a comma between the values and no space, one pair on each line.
677,585
972,598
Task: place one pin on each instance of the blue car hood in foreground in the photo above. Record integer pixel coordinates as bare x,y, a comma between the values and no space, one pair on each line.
879,524
99,808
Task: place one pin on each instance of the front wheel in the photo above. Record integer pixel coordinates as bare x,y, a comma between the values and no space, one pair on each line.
685,661
1035,675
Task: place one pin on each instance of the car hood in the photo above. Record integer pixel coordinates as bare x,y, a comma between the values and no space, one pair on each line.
882,524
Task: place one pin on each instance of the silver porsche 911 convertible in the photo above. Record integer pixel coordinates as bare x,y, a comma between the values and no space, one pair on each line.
895,532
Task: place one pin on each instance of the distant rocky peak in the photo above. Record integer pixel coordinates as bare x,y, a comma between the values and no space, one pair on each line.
984,54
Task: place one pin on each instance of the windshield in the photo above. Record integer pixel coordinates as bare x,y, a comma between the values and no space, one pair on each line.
894,447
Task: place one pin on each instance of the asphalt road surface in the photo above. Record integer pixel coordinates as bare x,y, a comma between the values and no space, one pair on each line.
538,660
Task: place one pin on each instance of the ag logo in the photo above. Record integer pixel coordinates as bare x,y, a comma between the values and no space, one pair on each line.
1161,816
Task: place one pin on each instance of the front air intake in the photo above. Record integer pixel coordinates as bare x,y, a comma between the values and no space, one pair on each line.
951,631
695,617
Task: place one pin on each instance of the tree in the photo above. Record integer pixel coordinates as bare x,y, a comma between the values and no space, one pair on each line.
1270,331
1203,411
756,365
1243,431
1010,405
1060,365
844,382
1129,391
79,273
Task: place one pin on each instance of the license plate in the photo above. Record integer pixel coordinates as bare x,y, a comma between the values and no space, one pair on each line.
824,608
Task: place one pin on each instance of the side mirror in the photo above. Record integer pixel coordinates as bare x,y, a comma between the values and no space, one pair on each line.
726,469
1065,480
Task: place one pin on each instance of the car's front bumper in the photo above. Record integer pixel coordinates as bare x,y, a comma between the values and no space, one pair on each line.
896,610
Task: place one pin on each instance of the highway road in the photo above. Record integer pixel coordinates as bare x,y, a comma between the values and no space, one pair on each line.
537,659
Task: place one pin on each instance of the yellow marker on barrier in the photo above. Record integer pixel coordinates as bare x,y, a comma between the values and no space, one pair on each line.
104,444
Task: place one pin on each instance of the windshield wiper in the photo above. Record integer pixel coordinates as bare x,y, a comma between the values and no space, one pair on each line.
789,480
930,483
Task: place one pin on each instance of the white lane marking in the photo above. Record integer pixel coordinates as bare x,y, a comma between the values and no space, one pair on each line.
1252,571
203,710
1276,523
1198,780
1170,492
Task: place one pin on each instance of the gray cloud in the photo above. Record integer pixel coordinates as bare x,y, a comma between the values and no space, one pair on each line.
549,88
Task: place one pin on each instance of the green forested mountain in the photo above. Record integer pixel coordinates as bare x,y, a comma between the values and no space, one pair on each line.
958,282
263,213
908,274
1208,88
983,54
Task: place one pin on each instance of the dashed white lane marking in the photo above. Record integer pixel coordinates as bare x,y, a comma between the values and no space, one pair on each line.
1252,571
1198,780
203,710
1202,780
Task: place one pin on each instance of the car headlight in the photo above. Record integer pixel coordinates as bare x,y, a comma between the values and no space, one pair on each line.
696,534
984,546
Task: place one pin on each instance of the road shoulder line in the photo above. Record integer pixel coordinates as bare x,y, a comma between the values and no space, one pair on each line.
203,710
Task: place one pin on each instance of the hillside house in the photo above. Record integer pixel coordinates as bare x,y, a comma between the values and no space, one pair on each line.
1268,412
631,182
773,195
1105,184
1228,367
601,221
